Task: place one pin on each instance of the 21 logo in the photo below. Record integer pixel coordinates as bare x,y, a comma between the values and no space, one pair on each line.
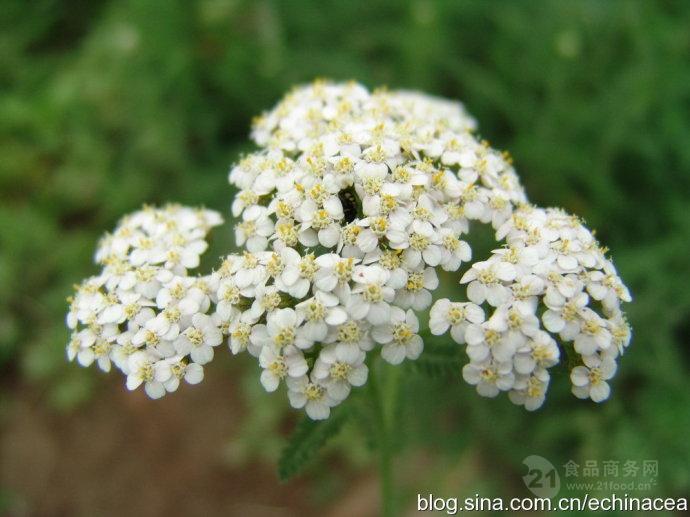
542,478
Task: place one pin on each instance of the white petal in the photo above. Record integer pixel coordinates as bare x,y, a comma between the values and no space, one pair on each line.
328,237
155,390
394,354
476,292
600,392
553,321
579,376
269,381
194,373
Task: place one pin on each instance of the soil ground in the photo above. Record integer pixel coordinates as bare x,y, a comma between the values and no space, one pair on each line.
121,454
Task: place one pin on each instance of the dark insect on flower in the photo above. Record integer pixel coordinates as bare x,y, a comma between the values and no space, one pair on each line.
349,200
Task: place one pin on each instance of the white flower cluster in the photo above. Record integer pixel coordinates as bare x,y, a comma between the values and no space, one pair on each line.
346,213
143,312
552,272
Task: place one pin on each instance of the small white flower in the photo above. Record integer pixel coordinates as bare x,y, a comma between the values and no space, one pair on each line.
489,377
281,330
417,247
338,373
456,316
277,366
399,337
562,315
454,251
171,371
254,230
311,395
199,339
350,337
142,368
334,271
489,339
594,334
485,282
321,225
416,293
240,332
530,390
184,294
540,351
371,295
589,381
297,273
319,312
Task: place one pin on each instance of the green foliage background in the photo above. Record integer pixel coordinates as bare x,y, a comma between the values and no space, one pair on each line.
107,105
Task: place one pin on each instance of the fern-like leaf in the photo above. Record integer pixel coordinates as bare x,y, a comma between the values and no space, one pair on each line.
438,360
307,440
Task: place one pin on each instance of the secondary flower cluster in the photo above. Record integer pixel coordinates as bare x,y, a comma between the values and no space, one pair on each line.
551,269
143,312
310,321
352,205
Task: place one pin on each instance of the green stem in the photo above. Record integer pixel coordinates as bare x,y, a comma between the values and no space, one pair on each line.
383,383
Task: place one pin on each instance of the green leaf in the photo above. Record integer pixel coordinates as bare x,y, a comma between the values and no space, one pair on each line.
437,360
307,440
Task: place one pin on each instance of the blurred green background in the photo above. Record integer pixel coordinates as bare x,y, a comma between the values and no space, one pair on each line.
108,105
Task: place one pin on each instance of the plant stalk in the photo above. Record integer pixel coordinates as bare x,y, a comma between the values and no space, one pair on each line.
383,383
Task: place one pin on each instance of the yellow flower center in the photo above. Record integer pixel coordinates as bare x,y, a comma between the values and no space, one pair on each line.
178,369
343,269
241,333
421,213
248,197
321,219
195,336
151,338
595,376
278,368
401,175
287,232
456,315
402,333
415,282
388,203
419,242
541,354
314,392
270,301
451,242
231,295
591,327
349,332
534,387
340,371
285,337
372,185
308,266
131,310
569,312
274,266
284,210
145,372
249,261
514,319
487,276
315,311
491,337
350,234
372,293
390,259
